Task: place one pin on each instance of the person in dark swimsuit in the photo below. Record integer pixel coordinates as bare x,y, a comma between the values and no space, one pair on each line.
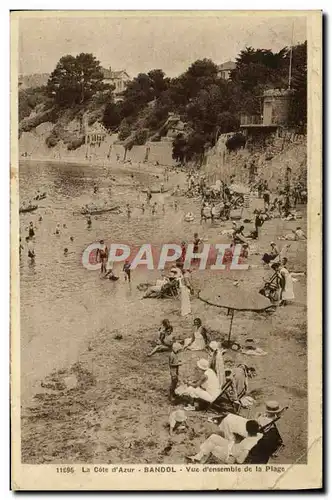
126,269
31,230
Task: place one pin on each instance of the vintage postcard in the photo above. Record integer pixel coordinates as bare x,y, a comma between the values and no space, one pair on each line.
166,250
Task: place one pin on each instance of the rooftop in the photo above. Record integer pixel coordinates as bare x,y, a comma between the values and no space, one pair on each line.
112,75
227,66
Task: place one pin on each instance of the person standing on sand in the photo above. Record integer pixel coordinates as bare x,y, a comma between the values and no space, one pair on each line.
196,243
128,210
102,255
174,365
154,208
143,208
287,292
89,221
184,297
127,271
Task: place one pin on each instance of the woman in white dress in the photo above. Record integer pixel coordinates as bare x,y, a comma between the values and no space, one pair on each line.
199,339
217,362
184,297
287,292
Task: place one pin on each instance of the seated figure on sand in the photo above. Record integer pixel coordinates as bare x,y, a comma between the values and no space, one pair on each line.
206,388
229,452
165,338
199,339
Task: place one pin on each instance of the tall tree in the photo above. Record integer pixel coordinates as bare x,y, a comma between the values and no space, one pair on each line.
298,111
75,79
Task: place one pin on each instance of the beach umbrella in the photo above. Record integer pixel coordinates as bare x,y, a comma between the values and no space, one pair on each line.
234,298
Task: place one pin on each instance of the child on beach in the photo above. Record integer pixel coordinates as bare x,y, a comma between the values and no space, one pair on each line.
174,365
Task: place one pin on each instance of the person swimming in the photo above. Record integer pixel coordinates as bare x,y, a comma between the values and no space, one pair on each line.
31,230
31,250
128,210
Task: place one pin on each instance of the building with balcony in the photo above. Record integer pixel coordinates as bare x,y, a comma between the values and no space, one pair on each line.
275,112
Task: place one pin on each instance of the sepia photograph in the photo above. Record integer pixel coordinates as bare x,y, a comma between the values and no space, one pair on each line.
166,226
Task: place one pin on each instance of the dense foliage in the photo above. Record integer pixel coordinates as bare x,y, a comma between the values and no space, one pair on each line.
206,104
75,80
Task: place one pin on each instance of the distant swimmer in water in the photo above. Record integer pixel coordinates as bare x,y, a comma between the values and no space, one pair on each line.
31,230
40,219
128,210
126,269
71,238
31,250
57,229
64,226
143,208
148,196
154,208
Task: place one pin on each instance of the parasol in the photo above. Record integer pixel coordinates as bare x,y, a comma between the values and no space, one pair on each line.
234,299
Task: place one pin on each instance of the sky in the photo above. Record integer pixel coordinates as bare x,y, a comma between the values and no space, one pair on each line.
139,43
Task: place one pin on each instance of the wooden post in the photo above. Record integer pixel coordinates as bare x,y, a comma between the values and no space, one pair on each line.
230,326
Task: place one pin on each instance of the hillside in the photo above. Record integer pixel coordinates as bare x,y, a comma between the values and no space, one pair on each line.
191,111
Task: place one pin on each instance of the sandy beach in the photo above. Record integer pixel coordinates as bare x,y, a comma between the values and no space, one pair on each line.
101,399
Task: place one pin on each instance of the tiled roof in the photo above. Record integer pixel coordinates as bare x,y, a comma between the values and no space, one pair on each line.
227,66
112,75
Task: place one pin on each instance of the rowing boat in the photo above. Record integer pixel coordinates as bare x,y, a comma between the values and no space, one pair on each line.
98,211
23,210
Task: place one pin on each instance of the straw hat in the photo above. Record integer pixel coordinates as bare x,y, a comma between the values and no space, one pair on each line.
203,364
178,416
272,407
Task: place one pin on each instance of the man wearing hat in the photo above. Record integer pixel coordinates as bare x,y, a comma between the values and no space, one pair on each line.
206,388
272,411
229,451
